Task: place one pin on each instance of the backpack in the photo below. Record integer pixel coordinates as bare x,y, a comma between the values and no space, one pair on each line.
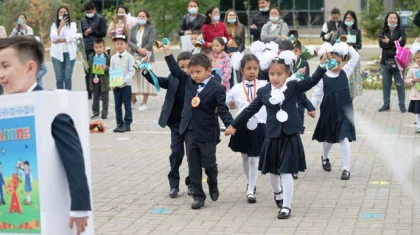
403,55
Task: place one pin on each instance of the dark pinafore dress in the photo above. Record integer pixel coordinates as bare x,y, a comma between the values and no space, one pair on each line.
336,121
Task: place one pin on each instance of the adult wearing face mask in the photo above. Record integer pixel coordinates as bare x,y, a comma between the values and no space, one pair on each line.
213,28
119,23
391,32
351,30
329,28
141,40
21,28
237,32
276,30
193,20
260,19
93,27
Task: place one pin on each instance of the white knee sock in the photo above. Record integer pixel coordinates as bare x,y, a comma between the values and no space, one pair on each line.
253,173
288,187
326,148
245,165
276,184
345,152
418,120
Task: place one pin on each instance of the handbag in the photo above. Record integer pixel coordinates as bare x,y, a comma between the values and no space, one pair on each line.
403,55
391,64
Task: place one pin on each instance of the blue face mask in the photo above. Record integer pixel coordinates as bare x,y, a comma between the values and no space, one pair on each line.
20,21
330,65
392,25
232,21
216,18
274,19
193,10
141,21
349,23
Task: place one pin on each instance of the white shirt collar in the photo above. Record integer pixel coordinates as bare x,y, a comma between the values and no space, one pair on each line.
32,87
101,55
206,81
123,54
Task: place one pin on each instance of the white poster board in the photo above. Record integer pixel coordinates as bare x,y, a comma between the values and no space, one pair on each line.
25,125
186,43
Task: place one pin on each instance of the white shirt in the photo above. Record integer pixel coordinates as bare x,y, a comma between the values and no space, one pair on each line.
318,93
126,63
57,49
28,31
238,95
139,38
201,87
76,214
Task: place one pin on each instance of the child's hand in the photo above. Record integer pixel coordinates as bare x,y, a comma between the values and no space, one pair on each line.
96,80
232,105
312,114
230,131
104,67
167,48
302,71
86,65
325,57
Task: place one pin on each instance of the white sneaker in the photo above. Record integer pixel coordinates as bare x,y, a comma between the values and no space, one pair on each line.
143,107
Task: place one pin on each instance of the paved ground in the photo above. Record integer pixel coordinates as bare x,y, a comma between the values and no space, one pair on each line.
130,181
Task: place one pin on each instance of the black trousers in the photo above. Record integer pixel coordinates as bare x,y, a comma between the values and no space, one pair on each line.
176,157
122,96
200,155
99,95
88,52
301,111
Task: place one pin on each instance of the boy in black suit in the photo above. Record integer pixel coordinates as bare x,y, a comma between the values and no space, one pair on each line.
171,116
20,61
203,96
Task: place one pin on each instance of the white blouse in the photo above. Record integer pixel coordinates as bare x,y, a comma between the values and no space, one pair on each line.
57,49
139,38
238,95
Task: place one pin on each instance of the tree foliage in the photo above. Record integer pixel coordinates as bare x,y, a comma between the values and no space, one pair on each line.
371,18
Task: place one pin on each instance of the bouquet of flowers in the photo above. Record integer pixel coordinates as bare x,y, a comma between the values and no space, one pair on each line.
308,52
115,33
96,126
78,39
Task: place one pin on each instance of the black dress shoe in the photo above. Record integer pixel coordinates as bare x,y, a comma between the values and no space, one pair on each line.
127,128
197,204
295,176
384,108
174,192
214,192
326,165
190,190
94,117
104,117
345,175
284,215
251,198
402,108
117,129
279,203
120,129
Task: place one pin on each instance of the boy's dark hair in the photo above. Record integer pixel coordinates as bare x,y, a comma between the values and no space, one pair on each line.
293,32
195,1
247,58
196,32
26,47
26,163
298,45
99,41
335,10
286,45
206,51
200,60
186,55
89,6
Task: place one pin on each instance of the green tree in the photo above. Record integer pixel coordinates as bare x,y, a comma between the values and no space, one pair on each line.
372,17
9,11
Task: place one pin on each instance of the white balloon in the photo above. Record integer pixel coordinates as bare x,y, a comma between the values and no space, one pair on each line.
282,116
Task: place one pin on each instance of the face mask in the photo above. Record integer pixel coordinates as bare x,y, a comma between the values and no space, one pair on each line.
141,21
274,19
349,23
121,15
20,21
232,21
332,64
216,18
193,10
264,9
60,17
392,25
90,15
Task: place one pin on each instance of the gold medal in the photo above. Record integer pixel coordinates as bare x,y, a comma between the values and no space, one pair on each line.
195,102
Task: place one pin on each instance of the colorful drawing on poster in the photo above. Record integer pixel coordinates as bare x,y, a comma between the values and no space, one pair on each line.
98,65
19,192
116,78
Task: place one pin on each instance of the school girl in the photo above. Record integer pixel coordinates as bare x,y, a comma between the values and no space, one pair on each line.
248,141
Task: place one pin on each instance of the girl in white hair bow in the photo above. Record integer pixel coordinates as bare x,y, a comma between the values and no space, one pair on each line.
336,123
282,152
413,79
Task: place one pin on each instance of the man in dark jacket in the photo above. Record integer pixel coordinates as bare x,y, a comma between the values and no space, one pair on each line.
260,19
93,27
330,27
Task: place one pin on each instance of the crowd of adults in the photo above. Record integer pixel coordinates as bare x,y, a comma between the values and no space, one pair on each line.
266,26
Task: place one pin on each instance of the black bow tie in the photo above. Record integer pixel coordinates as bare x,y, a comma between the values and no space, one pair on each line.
201,84
249,85
120,56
